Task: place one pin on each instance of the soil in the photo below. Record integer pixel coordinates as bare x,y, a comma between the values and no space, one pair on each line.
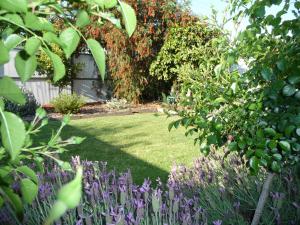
102,109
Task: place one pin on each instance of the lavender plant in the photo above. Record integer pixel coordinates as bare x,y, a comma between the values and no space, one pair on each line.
205,193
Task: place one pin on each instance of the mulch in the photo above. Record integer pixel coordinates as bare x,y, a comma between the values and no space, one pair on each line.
101,110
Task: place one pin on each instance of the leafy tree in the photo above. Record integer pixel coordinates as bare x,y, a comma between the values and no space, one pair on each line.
29,26
255,113
129,59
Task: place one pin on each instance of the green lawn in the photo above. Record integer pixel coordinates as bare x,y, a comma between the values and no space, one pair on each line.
140,142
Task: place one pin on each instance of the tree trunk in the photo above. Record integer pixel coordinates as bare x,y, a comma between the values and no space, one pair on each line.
262,199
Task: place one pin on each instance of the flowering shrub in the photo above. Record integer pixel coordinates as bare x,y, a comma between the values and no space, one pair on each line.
206,193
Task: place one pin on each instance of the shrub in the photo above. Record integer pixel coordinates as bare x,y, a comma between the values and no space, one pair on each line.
28,109
68,103
206,193
115,103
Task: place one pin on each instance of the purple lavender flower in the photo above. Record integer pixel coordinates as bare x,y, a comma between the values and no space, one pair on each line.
217,222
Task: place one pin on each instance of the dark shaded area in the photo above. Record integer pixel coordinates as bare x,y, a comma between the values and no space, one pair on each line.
106,152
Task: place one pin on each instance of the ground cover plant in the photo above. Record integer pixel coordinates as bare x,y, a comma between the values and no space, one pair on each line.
141,143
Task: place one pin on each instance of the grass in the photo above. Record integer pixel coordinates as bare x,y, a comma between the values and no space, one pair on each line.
140,142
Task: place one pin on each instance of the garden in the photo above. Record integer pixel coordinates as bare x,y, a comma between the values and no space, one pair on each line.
198,123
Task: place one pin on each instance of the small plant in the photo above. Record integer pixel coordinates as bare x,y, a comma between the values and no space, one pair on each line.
28,109
115,103
68,103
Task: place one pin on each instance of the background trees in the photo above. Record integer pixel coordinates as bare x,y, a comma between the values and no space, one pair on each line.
129,59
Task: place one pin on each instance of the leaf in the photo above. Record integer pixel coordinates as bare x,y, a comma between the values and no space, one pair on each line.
277,157
129,17
281,64
59,67
270,131
12,132
28,172
4,55
288,90
275,166
25,65
110,3
285,146
233,146
57,210
14,18
253,162
29,190
289,130
71,39
99,55
298,131
14,5
82,19
52,38
13,41
32,45
37,23
294,79
70,193
14,200
267,74
10,91
31,21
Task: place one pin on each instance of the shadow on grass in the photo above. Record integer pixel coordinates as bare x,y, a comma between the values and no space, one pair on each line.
95,149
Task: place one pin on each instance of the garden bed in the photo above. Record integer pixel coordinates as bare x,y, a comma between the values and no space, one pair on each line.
102,109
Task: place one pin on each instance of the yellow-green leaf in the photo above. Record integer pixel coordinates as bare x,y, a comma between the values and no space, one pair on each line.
98,54
129,17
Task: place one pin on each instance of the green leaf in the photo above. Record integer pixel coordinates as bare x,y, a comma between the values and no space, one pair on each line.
31,21
129,17
28,172
12,132
253,162
277,157
110,3
25,65
294,79
99,55
82,19
14,5
281,64
233,146
37,23
275,166
270,131
29,190
285,146
13,41
14,200
288,90
59,67
289,130
14,18
57,210
4,55
70,193
10,91
71,39
32,45
298,131
52,38
267,74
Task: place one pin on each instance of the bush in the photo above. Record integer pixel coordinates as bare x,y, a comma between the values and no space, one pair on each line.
206,193
68,103
23,110
115,103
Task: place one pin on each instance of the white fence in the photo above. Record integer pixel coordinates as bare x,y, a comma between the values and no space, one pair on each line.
87,82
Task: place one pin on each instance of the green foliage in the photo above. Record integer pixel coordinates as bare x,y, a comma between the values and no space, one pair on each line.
255,113
188,45
30,26
68,103
28,109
